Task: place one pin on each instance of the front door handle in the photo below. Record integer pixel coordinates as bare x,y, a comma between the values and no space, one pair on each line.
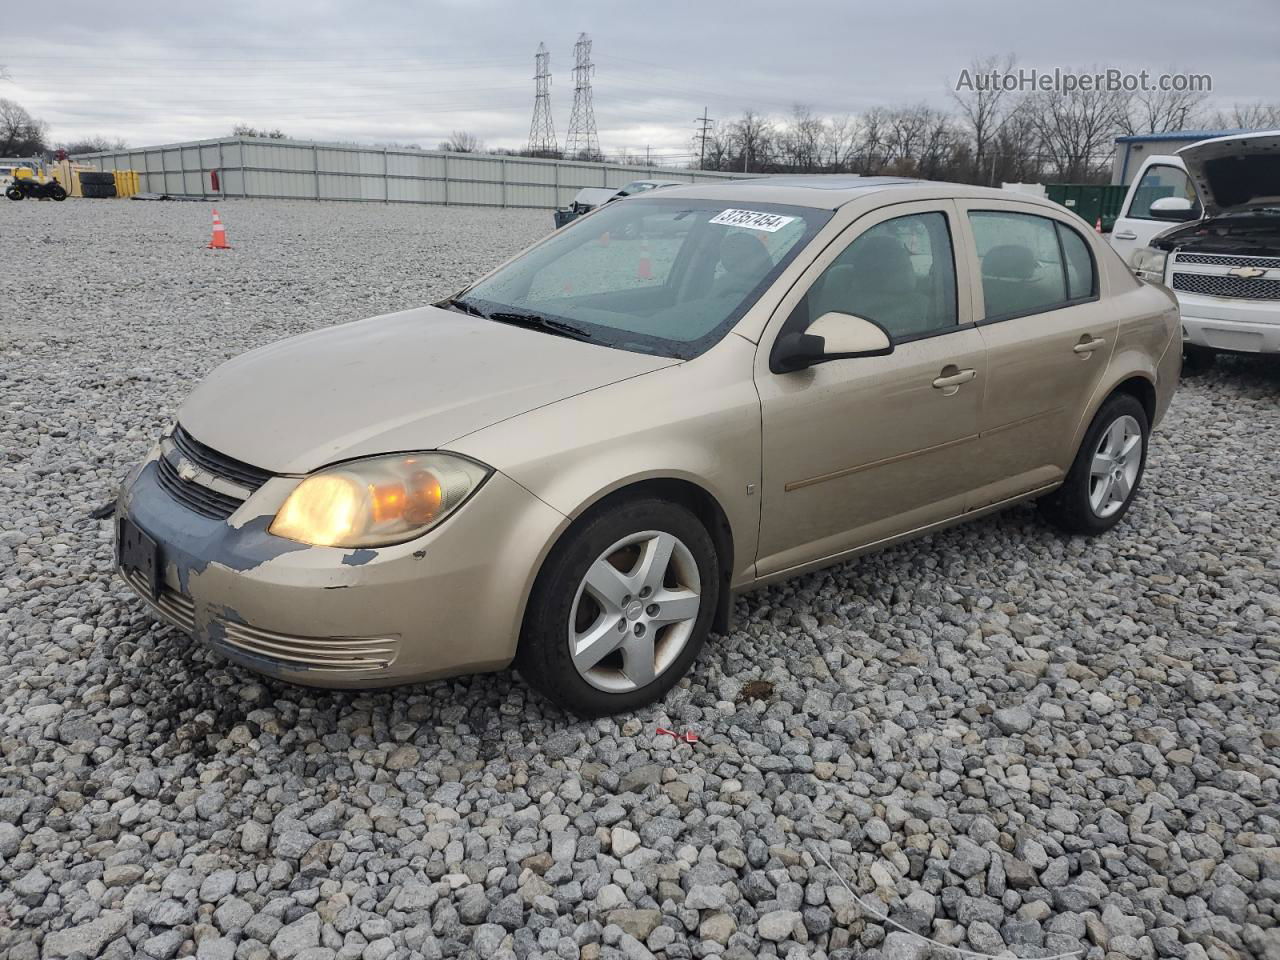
951,379
1088,344
1124,235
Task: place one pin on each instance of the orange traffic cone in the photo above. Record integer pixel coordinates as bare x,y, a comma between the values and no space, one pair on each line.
219,241
1097,227
644,269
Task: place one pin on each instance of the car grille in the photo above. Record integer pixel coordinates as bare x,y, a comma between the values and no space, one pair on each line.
171,606
1214,285
198,496
216,463
1220,260
328,654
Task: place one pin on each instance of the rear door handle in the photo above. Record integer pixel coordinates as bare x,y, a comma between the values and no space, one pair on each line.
1088,346
949,383
1124,235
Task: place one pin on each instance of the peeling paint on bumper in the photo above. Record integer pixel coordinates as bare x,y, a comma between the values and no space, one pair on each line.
447,603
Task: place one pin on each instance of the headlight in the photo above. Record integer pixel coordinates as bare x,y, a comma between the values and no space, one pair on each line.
379,501
1148,264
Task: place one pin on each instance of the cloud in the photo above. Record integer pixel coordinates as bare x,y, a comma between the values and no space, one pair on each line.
385,71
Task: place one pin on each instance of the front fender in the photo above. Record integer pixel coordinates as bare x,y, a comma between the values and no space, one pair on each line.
698,422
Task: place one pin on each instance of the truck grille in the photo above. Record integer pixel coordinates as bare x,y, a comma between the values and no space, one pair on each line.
1213,285
216,484
1221,260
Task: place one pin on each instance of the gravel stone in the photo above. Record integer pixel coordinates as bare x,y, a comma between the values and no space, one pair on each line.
1018,740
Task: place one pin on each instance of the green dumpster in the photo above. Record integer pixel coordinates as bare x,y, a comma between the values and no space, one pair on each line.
1092,201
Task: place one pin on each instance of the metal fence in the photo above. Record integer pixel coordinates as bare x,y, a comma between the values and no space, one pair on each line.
304,170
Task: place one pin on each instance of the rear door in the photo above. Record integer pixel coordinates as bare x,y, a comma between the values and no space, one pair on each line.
1049,337
1159,177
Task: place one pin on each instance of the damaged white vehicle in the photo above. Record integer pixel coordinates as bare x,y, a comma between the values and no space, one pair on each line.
1223,259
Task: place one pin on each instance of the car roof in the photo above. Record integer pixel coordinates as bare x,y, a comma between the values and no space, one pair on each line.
831,191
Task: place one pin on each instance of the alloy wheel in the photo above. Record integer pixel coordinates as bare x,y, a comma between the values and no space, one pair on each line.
1115,466
634,611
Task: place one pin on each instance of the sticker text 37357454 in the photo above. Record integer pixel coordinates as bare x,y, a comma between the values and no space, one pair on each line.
752,220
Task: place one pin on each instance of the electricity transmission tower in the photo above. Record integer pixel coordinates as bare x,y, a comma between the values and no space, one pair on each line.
542,131
582,142
701,136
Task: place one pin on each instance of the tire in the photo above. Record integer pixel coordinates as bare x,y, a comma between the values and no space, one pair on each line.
57,193
1197,359
643,647
96,176
13,193
1089,503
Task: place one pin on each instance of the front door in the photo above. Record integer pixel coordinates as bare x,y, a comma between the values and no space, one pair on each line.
1160,177
862,450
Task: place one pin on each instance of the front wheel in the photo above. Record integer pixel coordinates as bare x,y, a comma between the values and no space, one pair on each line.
621,608
58,194
13,193
1104,478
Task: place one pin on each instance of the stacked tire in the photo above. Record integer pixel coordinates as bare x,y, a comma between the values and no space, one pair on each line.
97,185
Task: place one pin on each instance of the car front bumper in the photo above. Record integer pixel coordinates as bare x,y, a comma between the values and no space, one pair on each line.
1244,326
447,603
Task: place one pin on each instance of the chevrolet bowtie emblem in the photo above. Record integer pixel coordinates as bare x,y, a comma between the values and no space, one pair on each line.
186,470
1247,273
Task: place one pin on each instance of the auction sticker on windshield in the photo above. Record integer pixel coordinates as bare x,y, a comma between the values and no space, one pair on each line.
752,220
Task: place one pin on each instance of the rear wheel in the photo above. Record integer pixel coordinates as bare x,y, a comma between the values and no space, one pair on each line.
621,608
13,193
58,194
1104,478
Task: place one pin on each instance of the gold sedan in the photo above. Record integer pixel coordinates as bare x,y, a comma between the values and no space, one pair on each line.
574,463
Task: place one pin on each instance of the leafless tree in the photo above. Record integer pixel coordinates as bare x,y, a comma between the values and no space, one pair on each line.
1249,116
462,141
20,133
752,136
984,106
802,140
1077,129
92,145
1162,111
245,130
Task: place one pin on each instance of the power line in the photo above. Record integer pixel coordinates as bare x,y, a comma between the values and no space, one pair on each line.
705,121
582,141
542,131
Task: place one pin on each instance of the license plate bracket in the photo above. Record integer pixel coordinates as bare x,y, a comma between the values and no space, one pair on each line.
141,553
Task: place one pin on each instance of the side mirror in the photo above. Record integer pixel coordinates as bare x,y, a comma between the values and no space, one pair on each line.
833,336
1175,209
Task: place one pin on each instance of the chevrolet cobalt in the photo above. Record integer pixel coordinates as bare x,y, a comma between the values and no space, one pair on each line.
575,462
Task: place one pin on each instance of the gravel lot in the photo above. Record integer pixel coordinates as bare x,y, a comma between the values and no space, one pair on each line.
1010,739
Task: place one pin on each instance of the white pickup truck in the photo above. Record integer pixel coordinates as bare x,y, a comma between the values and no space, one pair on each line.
1221,256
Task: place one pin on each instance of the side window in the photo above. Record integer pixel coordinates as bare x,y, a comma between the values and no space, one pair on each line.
1022,263
1161,181
1080,274
900,273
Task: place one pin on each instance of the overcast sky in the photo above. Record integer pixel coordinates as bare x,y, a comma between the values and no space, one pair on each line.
411,72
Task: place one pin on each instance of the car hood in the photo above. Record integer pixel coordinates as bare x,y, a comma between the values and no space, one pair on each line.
595,196
1235,173
406,381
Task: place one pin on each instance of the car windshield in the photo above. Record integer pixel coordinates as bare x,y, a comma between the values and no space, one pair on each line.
653,275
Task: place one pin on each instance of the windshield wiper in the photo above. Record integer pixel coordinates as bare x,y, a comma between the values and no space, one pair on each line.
464,306
535,322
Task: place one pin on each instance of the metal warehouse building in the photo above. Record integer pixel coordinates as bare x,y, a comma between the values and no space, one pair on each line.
1132,150
306,170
